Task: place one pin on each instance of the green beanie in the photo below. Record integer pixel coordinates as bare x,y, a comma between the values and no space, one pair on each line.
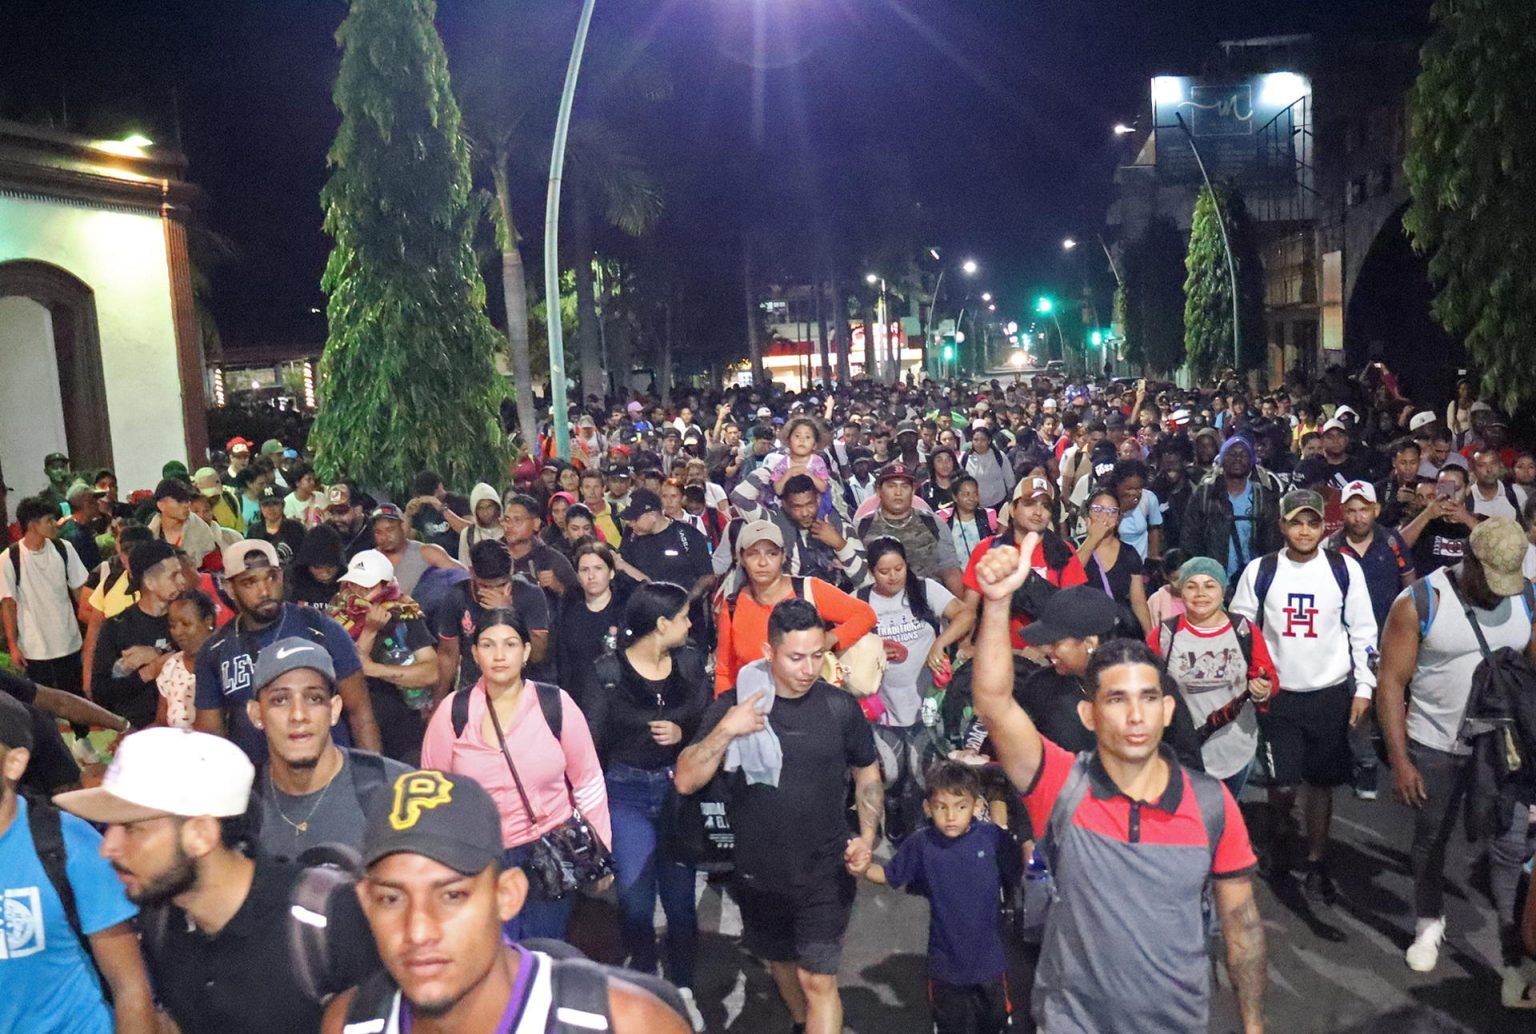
1202,565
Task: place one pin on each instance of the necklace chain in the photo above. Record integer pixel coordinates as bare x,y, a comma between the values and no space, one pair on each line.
301,827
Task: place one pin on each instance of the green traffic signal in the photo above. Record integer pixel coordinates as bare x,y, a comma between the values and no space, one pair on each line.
949,350
1044,305
1096,338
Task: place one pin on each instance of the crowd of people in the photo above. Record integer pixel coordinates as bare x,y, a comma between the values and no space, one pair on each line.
377,748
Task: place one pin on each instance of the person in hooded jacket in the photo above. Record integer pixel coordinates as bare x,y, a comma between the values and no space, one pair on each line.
485,507
316,568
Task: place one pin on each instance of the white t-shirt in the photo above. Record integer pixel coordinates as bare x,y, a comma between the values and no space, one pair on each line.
895,623
1315,637
45,612
1499,505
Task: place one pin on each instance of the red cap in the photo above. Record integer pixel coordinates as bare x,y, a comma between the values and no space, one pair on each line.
239,443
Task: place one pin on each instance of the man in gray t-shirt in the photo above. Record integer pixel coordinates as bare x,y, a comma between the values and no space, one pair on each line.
311,792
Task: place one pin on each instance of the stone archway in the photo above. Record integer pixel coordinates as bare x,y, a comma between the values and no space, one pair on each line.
67,320
1388,318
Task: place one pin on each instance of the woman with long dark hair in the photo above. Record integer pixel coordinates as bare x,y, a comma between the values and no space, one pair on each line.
652,691
506,730
1109,563
943,473
589,622
918,620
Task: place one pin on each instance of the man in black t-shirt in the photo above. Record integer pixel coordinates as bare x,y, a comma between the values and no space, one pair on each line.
789,785
491,585
1439,533
134,645
659,549
532,558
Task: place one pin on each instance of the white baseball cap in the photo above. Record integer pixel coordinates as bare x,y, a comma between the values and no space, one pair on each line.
1179,417
159,772
1338,414
1421,418
367,569
1335,425
1358,489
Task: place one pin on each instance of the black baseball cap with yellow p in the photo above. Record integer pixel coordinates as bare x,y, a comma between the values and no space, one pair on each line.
443,816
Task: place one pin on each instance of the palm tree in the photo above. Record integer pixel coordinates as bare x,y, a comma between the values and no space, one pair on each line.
508,76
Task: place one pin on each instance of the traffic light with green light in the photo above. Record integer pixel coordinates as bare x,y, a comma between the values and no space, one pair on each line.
949,350
1044,305
1096,338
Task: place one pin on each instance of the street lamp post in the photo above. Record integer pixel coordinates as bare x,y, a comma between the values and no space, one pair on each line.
1226,242
969,268
552,239
894,363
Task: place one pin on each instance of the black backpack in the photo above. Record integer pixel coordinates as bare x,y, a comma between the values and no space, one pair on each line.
578,989
1242,628
46,824
549,703
1270,564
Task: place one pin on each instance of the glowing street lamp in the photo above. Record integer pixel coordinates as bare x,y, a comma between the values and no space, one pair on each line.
1121,129
986,296
969,267
1068,244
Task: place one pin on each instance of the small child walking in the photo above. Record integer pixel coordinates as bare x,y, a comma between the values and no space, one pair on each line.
961,866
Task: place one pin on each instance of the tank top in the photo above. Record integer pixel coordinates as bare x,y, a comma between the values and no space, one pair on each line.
1449,654
410,567
528,1009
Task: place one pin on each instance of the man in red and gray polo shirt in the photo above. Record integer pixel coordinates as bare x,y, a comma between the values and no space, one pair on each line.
1131,837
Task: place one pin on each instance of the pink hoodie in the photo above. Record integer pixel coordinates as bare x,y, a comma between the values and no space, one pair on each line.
543,763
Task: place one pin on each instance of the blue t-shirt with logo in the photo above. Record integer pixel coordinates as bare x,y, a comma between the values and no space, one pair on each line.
49,982
227,662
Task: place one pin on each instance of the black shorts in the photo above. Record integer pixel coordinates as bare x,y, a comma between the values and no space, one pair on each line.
805,927
969,1008
1306,738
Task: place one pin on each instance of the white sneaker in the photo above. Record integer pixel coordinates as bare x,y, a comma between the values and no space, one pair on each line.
1424,952
1515,992
694,1016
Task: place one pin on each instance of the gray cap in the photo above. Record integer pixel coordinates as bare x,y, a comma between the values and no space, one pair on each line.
290,654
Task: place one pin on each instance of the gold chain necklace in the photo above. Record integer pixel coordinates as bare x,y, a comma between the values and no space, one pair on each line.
299,828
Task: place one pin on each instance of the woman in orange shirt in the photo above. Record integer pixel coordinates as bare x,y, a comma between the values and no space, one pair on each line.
742,619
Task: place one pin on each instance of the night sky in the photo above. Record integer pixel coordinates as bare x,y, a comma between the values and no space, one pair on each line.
995,112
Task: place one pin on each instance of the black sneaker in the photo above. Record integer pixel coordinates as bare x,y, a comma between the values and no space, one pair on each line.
1318,886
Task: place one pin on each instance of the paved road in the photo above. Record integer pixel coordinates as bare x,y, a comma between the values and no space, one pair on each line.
1336,972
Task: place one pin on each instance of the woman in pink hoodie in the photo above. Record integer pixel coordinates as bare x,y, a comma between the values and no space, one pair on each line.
559,775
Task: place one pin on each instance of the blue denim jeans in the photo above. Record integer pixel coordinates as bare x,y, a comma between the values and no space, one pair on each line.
643,872
538,918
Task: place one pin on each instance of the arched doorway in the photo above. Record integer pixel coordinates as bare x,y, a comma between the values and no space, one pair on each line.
52,395
1388,318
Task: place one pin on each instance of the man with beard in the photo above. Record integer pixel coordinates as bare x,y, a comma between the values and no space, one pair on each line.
216,926
312,792
227,662
59,951
344,512
409,557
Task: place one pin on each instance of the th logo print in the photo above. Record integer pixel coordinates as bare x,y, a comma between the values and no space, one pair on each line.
1300,615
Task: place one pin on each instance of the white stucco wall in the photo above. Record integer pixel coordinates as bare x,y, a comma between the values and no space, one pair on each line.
31,415
121,256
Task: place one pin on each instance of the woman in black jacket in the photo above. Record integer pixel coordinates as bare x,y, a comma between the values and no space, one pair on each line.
652,693
589,622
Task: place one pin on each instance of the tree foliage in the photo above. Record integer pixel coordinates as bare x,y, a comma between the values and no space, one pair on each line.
1471,168
1208,286
1150,304
408,378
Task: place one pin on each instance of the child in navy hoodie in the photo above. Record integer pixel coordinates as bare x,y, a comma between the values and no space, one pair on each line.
961,866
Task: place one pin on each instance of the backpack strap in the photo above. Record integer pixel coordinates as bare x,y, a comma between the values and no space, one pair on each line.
1242,628
1261,585
459,707
1065,806
372,1005
309,948
1165,632
47,827
579,988
864,592
552,706
1424,605
1213,807
369,779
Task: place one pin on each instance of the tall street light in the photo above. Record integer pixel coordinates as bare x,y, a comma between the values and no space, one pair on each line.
1226,242
969,268
885,333
552,241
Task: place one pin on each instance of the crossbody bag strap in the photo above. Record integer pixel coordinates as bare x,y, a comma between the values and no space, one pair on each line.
1466,608
501,741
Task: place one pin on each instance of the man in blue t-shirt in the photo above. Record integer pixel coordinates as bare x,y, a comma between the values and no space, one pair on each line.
50,980
960,866
227,661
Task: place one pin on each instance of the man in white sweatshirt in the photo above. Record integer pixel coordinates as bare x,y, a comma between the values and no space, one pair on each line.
1314,608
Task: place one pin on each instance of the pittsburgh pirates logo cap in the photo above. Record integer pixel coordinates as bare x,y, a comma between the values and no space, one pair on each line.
446,817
